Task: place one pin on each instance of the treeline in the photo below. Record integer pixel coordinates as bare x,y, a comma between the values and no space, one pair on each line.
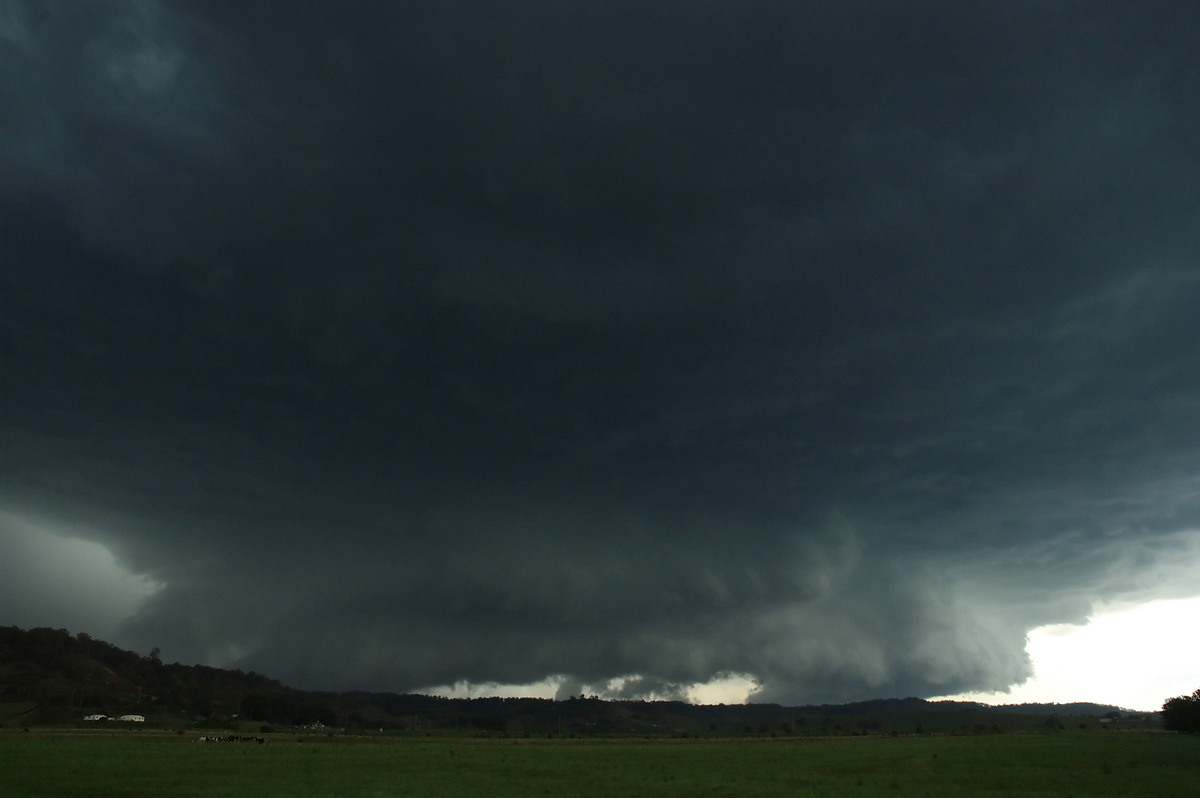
61,677
54,668
1182,713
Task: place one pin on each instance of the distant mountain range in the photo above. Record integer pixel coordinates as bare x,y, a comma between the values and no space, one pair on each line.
51,677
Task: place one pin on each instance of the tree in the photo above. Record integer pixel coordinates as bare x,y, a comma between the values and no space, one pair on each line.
1182,713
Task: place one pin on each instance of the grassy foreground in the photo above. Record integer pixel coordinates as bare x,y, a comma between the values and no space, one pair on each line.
137,765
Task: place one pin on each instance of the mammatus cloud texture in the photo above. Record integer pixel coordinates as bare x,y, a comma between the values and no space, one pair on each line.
833,344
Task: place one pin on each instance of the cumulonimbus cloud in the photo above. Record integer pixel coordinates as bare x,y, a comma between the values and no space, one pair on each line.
406,347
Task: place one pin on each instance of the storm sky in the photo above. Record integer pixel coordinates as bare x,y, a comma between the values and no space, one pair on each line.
836,345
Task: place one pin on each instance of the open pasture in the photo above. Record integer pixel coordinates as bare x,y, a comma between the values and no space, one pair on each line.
142,765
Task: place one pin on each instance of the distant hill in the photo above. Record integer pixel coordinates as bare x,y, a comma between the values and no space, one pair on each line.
48,676
67,676
1075,708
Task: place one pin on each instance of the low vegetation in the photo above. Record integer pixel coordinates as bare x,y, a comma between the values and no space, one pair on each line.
164,764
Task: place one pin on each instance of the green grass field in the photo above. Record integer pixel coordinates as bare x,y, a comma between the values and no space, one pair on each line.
145,765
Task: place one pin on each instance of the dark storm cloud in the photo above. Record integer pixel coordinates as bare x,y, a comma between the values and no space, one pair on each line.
834,344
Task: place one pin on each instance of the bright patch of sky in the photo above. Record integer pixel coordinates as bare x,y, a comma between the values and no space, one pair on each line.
1131,657
726,689
50,577
733,688
464,689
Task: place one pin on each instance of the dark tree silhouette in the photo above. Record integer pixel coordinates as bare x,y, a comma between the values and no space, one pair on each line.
1182,713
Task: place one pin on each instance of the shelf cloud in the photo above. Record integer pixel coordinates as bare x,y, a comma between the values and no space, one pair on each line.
834,345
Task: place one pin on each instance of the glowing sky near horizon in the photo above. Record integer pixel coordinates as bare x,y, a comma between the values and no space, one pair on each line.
1134,657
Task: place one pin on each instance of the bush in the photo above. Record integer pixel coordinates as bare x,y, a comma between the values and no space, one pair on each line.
1182,713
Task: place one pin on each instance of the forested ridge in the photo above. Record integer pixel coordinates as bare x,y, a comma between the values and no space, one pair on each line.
49,676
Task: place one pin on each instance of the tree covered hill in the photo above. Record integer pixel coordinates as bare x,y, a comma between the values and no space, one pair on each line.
49,676
67,676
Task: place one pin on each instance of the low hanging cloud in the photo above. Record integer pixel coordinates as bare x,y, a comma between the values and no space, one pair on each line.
622,348
56,577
